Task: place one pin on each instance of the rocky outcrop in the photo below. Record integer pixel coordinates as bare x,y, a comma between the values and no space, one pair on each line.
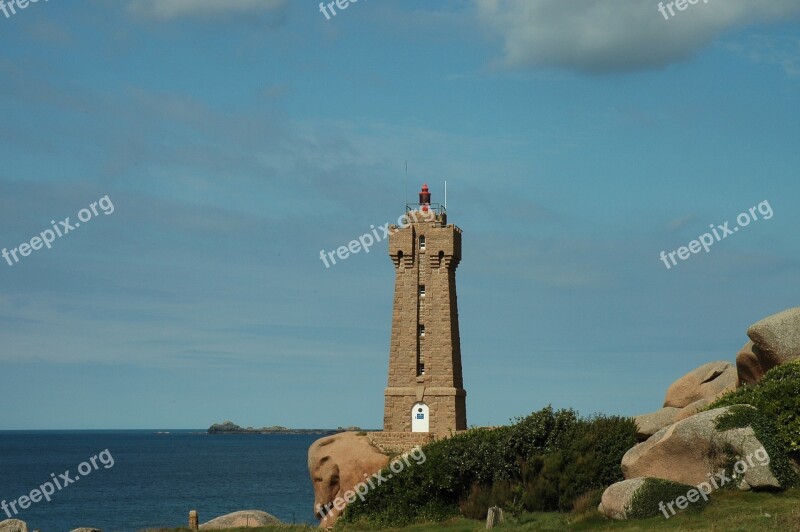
680,442
337,464
708,381
242,519
13,525
616,500
775,340
690,451
649,424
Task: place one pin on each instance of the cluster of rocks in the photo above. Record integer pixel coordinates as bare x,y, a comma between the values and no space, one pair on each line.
678,441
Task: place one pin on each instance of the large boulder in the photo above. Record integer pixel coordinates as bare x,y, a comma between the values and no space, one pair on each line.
708,381
638,498
775,340
13,525
649,424
242,519
337,464
692,451
778,336
616,500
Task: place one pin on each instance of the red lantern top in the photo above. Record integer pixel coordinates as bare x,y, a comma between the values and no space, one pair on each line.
424,198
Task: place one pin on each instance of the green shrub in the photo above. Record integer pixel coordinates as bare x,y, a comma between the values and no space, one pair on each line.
646,501
740,416
544,461
777,396
586,458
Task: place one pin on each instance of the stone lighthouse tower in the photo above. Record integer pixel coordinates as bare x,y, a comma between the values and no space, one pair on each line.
425,392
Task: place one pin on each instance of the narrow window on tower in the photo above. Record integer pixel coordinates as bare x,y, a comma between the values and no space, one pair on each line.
422,290
422,330
422,242
421,369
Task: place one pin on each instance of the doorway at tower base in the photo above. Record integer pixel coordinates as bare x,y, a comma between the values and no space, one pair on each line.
440,410
420,418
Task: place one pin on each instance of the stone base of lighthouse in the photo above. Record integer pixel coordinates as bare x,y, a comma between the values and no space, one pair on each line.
444,409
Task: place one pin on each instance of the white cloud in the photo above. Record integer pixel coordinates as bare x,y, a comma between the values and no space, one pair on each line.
172,9
599,36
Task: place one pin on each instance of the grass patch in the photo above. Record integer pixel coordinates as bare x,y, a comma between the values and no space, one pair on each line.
731,511
271,528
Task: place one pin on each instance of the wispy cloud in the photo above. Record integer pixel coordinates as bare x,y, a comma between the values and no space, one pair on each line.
599,37
173,9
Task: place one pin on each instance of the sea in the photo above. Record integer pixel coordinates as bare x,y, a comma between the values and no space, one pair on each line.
157,477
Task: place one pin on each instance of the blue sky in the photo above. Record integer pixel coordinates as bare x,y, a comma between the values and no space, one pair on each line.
237,139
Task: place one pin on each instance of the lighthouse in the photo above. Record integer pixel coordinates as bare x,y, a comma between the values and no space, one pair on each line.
425,391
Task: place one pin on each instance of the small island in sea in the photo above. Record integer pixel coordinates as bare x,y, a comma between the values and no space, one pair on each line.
229,427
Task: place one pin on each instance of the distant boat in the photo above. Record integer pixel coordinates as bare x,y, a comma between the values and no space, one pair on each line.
161,432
